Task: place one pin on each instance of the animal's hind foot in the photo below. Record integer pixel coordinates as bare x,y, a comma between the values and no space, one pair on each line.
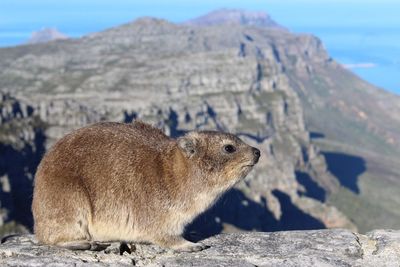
190,247
84,245
98,246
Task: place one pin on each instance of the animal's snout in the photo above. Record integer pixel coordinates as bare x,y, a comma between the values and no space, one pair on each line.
257,154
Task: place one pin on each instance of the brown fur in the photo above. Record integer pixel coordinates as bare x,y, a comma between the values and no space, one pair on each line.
130,182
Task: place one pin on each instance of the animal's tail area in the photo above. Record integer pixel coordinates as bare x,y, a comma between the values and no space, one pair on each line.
66,226
73,245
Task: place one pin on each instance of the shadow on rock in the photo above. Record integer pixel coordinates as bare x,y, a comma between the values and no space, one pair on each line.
347,168
316,135
292,217
313,189
234,211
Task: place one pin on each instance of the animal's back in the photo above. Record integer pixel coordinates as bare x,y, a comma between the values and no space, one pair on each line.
89,150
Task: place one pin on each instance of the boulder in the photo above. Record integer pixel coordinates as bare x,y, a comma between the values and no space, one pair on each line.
333,247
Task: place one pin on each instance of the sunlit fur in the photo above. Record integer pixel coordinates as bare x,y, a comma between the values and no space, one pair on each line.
130,182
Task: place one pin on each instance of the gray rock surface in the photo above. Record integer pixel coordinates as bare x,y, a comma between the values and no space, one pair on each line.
334,247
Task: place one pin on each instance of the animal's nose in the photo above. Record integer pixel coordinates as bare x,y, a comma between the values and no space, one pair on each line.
256,153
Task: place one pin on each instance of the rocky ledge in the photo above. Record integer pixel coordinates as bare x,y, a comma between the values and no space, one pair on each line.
293,248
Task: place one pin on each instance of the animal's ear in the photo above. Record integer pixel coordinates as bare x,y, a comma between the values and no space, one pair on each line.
188,144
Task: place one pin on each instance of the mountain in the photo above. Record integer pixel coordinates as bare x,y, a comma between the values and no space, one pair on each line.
46,35
234,17
183,78
279,91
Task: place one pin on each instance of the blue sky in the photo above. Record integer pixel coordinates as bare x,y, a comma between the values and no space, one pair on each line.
353,31
76,17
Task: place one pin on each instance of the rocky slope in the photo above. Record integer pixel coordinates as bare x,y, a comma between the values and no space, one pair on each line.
358,128
294,248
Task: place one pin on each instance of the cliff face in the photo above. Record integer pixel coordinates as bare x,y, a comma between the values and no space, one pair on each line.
183,78
294,248
357,126
21,147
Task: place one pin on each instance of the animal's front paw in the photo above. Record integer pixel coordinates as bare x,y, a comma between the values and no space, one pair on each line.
179,244
190,247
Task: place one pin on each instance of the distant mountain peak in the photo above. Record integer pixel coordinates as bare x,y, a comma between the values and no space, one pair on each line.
150,20
46,35
234,16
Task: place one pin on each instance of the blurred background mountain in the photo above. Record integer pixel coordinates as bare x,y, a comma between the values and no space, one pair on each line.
363,35
46,35
330,140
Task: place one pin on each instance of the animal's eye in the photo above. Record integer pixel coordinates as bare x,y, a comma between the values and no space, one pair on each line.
229,149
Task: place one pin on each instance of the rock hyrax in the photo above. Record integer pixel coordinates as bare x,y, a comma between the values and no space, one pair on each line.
130,182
